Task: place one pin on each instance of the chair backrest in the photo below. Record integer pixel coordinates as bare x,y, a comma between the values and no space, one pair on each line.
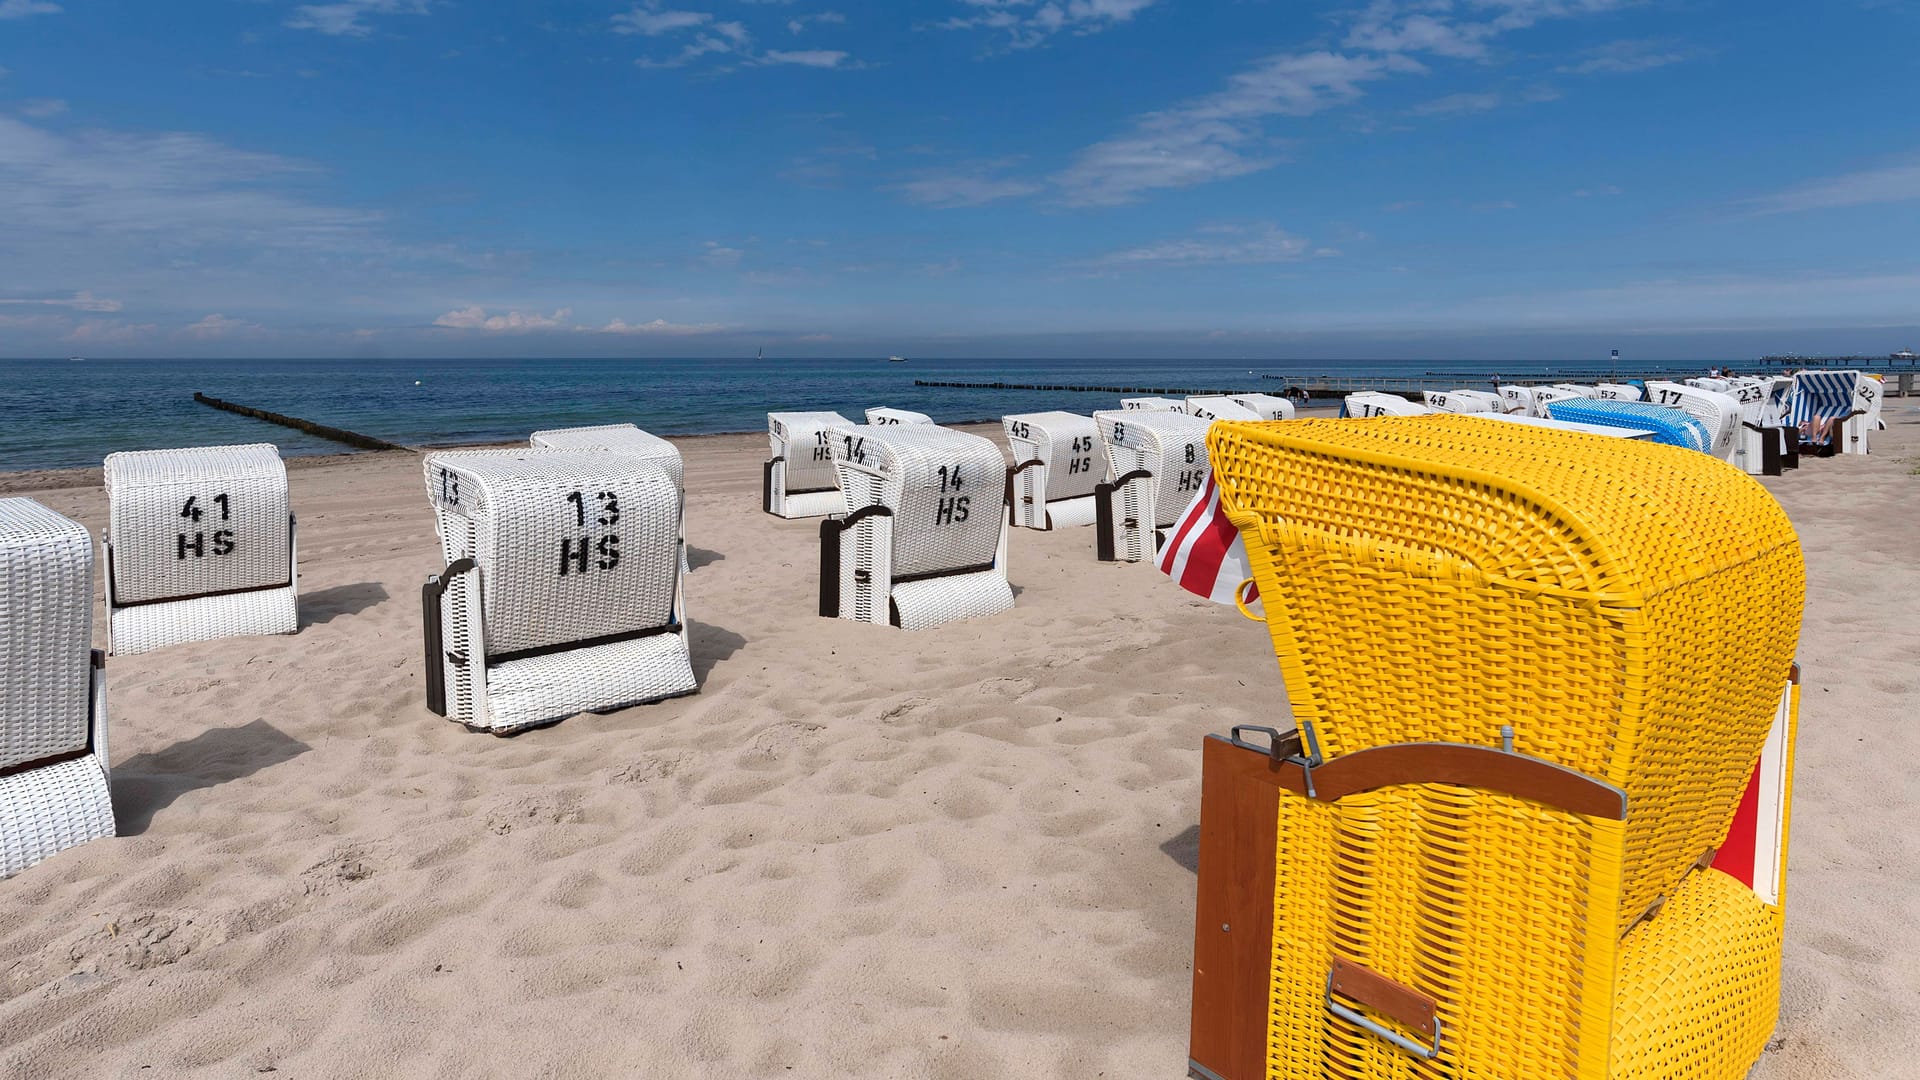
1544,396
1517,399
1170,446
1577,389
1267,406
883,417
1719,413
572,545
46,632
622,437
1067,443
1709,383
1823,395
1219,407
1616,392
1867,392
186,523
1377,545
1375,403
1462,401
799,439
1153,404
946,490
1670,426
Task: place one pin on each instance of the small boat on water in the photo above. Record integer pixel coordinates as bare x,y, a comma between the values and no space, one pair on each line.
896,359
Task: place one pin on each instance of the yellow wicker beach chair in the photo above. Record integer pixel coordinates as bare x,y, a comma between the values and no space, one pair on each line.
1533,674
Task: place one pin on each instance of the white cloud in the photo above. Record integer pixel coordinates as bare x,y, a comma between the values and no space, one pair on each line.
660,327
1623,57
217,326
109,332
343,19
1894,183
719,255
801,22
475,317
20,9
967,185
1208,138
1027,24
80,301
42,107
656,23
1219,245
820,58
1602,190
1457,103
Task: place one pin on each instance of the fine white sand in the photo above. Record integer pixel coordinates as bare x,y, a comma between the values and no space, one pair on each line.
961,853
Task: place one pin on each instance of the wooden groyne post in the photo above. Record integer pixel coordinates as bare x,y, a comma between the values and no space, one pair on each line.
339,435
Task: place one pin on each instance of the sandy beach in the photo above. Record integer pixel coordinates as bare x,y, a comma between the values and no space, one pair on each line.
961,853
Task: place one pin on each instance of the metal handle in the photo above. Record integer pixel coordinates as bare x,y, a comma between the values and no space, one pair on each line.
1390,1035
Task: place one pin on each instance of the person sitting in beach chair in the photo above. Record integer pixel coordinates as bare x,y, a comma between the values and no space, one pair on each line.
1057,462
924,541
1375,403
1462,401
1531,818
627,439
200,545
562,589
798,481
882,417
53,691
1158,461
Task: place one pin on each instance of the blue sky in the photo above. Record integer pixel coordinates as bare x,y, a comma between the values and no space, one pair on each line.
1394,178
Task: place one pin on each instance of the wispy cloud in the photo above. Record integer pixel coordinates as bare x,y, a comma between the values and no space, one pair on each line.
820,58
973,184
656,23
1217,136
801,22
346,18
1457,103
701,34
1217,245
1625,57
475,317
20,9
217,327
1027,24
1891,184
720,256
110,332
42,107
660,328
80,301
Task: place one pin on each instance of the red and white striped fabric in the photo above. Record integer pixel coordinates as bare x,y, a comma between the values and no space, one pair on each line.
1204,552
1752,851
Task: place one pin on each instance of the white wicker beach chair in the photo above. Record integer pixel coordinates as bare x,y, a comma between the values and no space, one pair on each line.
798,480
1719,412
1158,461
1868,391
1544,396
1516,400
1219,407
1616,392
562,591
1462,401
627,439
924,541
1153,404
1266,406
1763,444
893,417
200,545
1057,461
1577,390
1375,403
53,692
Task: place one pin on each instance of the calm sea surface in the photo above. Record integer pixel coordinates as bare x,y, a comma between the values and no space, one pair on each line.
70,413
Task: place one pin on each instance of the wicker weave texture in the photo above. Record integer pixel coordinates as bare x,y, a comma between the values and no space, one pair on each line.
1220,407
1267,406
46,631
572,544
1152,404
522,693
1617,392
1171,446
1718,412
1067,445
45,811
933,602
885,417
1373,403
1628,610
946,490
187,522
1670,426
799,439
204,618
626,438
1462,401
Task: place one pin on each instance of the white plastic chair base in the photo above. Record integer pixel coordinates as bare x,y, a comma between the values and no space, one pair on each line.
543,689
1072,513
930,602
145,627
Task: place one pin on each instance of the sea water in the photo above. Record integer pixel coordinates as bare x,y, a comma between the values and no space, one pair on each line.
60,413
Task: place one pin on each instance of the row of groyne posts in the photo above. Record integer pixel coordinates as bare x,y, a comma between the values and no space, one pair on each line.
1900,383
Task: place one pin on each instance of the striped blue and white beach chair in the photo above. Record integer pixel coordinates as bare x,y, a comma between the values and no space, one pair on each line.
1670,426
1824,409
